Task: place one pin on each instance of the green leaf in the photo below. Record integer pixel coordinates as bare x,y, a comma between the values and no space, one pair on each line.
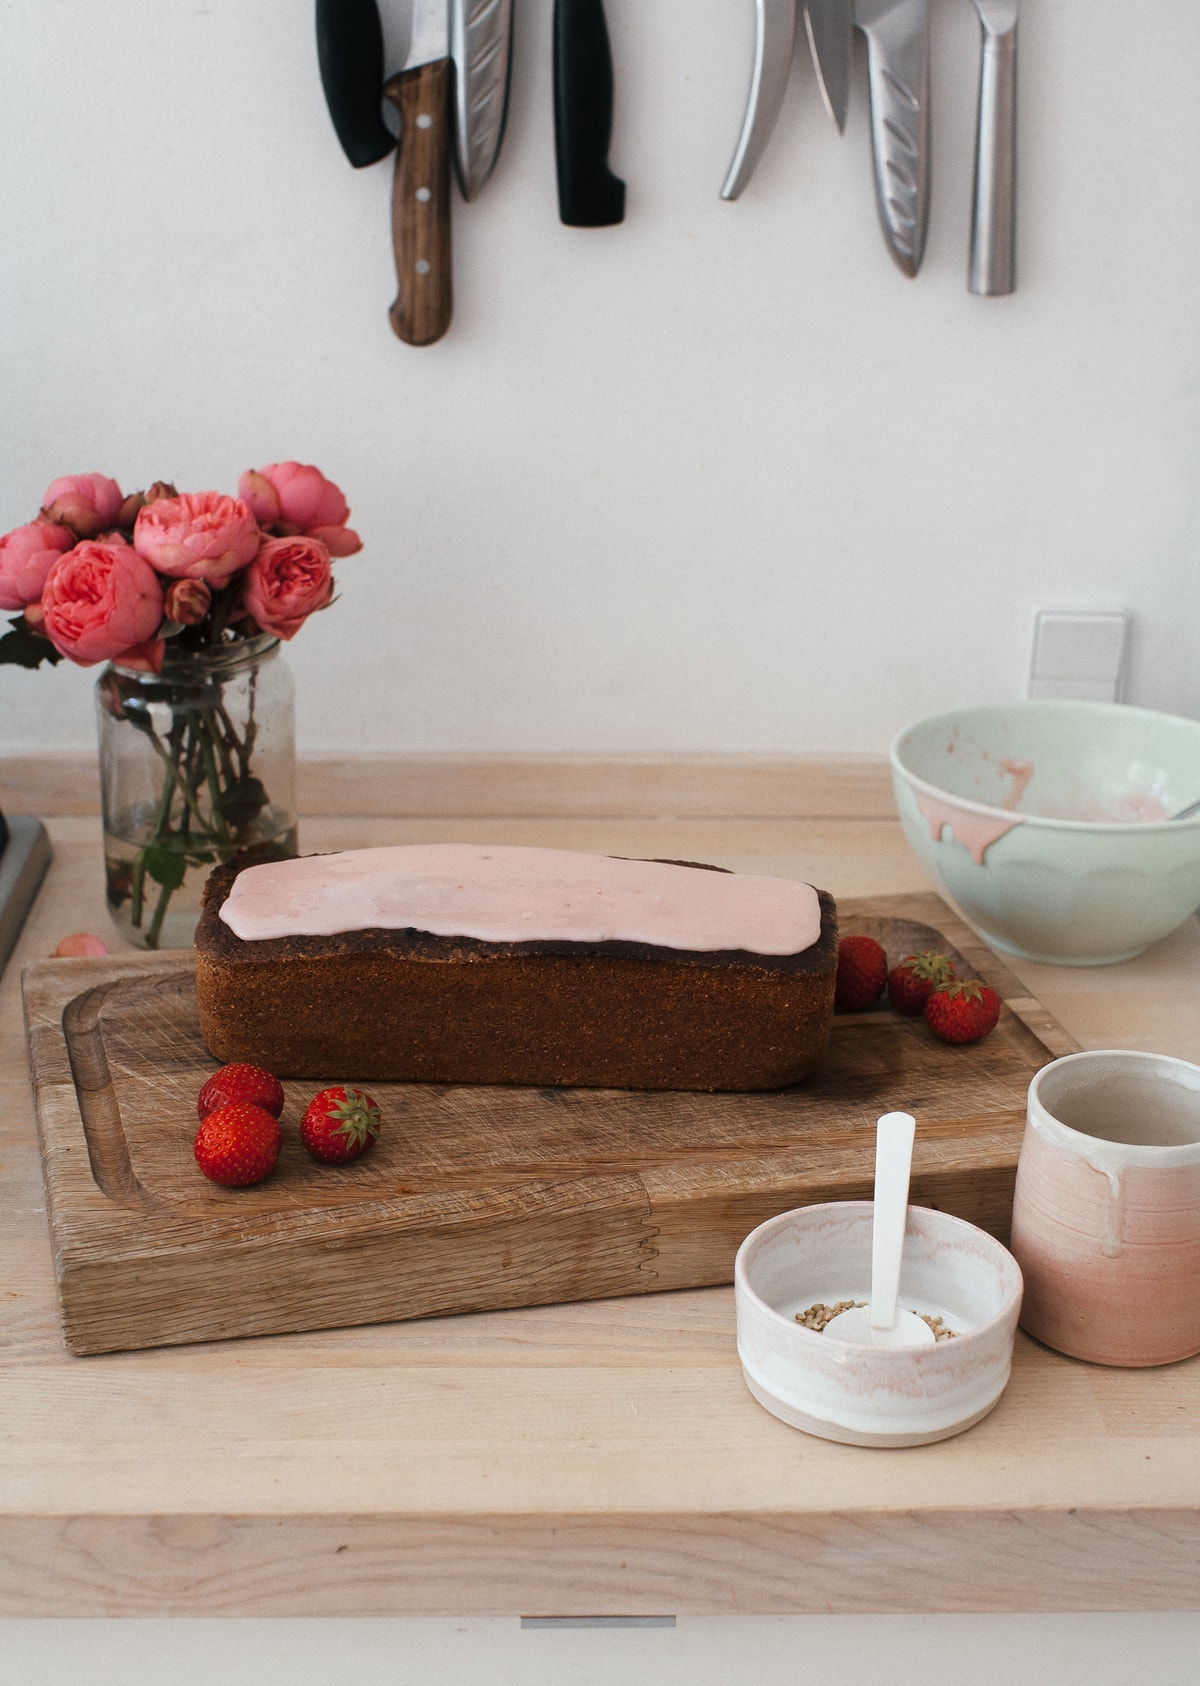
21,648
165,866
242,802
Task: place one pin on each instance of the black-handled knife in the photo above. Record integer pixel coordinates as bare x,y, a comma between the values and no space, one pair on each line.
589,195
350,56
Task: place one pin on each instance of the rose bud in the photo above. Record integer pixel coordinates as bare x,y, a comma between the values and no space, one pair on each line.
35,619
127,514
160,489
86,503
187,602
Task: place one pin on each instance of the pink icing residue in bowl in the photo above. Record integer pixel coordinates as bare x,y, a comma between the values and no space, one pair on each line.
1134,809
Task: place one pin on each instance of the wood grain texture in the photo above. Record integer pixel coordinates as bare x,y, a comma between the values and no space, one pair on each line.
421,202
600,1456
735,1563
479,1197
551,786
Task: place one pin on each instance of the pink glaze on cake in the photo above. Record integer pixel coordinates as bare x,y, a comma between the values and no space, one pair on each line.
504,895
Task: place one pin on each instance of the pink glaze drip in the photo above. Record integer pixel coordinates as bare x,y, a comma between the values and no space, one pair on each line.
1020,772
976,832
502,895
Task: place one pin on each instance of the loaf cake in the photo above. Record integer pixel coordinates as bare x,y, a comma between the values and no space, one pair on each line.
456,963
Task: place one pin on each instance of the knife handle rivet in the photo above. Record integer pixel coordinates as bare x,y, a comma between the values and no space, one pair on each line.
422,266
424,195
424,121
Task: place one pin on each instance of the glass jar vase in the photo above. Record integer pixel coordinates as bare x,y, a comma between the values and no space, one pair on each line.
197,766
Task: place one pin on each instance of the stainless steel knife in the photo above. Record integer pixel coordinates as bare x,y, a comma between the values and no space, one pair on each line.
481,47
897,33
993,265
830,28
774,43
422,93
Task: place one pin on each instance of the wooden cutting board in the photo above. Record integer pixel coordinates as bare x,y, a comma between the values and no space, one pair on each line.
478,1198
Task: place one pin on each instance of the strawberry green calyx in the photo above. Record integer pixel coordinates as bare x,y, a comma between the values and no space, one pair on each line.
930,965
357,1118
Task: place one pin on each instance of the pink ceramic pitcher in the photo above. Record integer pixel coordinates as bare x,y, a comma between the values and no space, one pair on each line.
1106,1218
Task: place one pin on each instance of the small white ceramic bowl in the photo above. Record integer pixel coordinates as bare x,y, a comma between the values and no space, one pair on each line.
874,1396
1047,823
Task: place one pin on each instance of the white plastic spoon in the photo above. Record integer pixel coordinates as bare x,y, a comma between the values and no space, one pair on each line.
880,1323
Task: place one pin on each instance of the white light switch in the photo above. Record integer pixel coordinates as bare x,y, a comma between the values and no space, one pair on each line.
1080,656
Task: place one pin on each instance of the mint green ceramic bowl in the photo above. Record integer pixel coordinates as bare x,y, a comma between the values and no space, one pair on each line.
1047,822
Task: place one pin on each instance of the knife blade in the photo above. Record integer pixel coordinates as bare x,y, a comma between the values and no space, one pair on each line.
897,33
774,44
993,265
829,25
589,194
422,92
481,47
350,58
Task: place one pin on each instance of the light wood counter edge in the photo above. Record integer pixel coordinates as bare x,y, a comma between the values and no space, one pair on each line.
504,786
595,1564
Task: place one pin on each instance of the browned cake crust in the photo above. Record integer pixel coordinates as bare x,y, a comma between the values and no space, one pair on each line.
404,1006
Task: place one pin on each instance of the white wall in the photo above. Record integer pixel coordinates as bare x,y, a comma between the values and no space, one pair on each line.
720,478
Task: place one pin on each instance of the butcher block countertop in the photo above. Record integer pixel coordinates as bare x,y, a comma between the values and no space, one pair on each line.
598,1458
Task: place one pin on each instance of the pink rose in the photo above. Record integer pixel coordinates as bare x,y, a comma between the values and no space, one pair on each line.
100,599
27,555
294,497
196,536
86,503
287,581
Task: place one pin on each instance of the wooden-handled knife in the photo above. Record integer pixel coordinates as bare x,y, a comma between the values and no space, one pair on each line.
423,93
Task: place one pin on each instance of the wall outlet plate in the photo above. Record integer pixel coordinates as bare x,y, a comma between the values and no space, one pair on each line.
1079,654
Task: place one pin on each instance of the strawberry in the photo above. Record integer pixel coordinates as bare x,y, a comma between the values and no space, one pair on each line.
340,1124
962,1011
913,981
862,971
246,1085
237,1145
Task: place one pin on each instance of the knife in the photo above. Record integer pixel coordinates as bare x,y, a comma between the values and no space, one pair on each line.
422,93
481,47
993,265
589,194
829,25
350,57
774,42
897,33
